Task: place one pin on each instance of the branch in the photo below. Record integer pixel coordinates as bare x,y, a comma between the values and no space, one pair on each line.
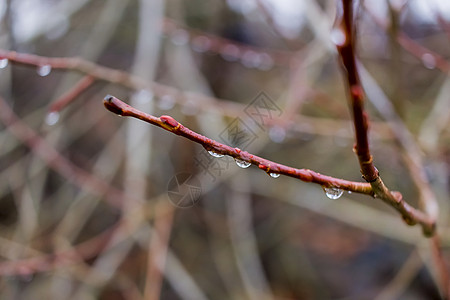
345,42
170,124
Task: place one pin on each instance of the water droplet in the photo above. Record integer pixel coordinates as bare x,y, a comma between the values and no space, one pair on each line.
201,44
166,102
180,37
338,37
3,63
274,175
52,118
333,192
230,53
242,164
277,134
215,154
428,61
44,70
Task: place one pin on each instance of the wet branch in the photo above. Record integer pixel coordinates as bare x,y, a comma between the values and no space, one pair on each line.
168,123
345,46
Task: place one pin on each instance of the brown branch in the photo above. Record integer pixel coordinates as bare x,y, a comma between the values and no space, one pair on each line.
360,119
345,47
168,123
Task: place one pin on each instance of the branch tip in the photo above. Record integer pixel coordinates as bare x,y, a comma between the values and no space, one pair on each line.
113,105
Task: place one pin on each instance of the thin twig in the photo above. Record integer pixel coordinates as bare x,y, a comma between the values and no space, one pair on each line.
345,45
72,94
57,162
168,123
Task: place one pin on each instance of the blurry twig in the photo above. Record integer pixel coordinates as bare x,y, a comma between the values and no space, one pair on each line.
56,161
305,124
157,250
244,242
412,46
72,94
402,279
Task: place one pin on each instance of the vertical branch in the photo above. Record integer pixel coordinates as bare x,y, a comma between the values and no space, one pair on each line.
344,37
345,42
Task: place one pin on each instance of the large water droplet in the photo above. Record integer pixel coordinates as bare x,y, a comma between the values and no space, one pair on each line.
180,37
333,192
3,63
337,37
274,175
230,53
44,70
201,44
428,61
52,118
166,102
242,164
215,154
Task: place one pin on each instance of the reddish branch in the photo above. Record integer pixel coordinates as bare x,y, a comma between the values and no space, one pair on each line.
344,25
170,124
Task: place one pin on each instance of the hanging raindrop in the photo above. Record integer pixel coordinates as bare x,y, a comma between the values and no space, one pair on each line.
215,154
333,192
3,63
242,164
44,70
52,118
274,175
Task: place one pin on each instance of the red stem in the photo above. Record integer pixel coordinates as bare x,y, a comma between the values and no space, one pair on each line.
168,123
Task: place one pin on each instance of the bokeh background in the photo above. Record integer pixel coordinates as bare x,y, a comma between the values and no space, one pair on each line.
86,204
